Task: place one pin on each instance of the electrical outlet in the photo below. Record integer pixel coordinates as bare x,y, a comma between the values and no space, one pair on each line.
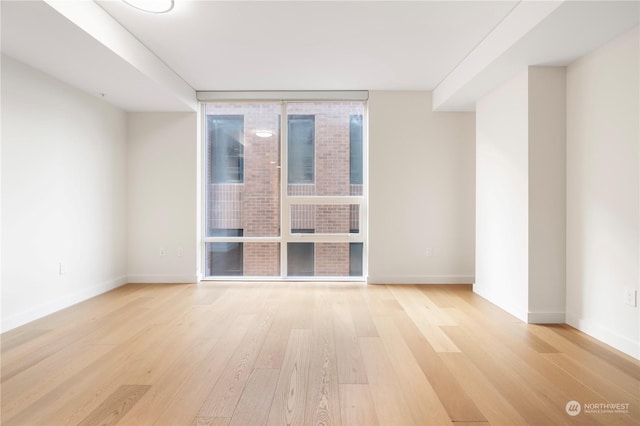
163,252
180,252
428,252
630,297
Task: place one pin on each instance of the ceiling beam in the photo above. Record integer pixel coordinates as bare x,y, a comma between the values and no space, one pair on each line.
97,23
526,15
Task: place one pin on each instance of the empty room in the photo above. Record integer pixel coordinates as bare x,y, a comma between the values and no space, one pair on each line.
320,212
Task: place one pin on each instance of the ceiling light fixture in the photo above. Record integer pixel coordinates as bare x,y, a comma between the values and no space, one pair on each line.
153,6
263,133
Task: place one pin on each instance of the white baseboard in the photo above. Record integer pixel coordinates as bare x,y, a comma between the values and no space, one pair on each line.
163,279
546,318
421,279
60,303
624,344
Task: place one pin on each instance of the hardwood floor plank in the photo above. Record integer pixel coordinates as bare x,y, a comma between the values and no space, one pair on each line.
604,388
152,356
440,316
360,313
323,312
386,391
494,406
513,330
288,406
20,392
255,403
11,341
423,320
304,303
164,388
115,406
425,406
226,393
589,360
84,389
348,356
206,295
272,352
356,406
323,398
621,361
458,404
555,384
21,358
210,421
192,394
509,381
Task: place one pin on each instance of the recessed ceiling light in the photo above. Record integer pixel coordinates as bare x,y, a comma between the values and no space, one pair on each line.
153,6
264,133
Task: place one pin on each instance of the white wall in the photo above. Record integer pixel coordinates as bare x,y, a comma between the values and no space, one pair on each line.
502,196
63,195
547,194
162,193
421,191
603,189
520,195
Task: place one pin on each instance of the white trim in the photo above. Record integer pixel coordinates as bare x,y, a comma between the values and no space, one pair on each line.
200,194
421,279
60,303
278,278
163,279
610,337
546,318
283,95
285,221
297,200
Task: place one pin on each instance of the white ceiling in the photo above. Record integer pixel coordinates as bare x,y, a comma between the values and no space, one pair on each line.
157,61
326,45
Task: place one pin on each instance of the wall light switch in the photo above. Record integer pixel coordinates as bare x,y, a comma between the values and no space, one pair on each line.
428,252
62,268
630,297
163,252
180,252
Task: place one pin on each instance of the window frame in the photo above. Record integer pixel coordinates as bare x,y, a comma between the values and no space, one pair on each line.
287,201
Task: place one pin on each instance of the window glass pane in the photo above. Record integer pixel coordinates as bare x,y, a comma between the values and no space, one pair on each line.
355,259
324,259
243,192
247,259
300,259
301,147
226,147
355,151
325,218
323,164
224,259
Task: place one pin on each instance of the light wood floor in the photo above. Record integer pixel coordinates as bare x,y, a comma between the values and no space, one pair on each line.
314,354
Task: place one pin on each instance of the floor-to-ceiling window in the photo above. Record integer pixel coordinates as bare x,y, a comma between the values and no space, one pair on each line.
284,189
